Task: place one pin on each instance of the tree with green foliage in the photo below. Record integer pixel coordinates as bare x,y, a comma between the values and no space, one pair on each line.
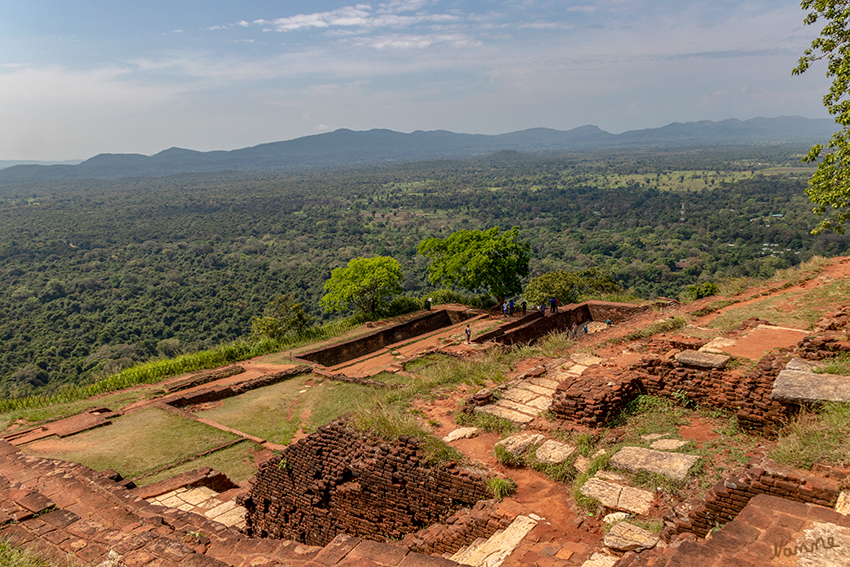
829,187
476,259
569,286
283,316
365,283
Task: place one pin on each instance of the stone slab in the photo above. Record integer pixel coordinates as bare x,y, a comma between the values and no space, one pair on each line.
600,560
545,383
554,453
462,433
717,345
607,493
499,546
519,395
702,359
671,465
508,414
842,506
805,387
586,359
541,403
636,500
518,444
615,517
628,537
539,390
516,407
668,444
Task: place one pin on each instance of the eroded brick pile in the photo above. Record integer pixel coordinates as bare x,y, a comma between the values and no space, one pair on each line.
460,529
337,481
602,392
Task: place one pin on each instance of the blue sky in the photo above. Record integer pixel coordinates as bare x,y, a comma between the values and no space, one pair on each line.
86,77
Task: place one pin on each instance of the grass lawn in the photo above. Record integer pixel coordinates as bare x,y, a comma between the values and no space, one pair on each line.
275,413
134,444
236,461
798,309
114,401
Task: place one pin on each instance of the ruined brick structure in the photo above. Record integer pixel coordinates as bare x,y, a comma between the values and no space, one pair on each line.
337,481
727,498
602,392
460,529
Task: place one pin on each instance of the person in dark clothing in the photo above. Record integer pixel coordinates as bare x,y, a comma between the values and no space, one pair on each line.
511,308
468,334
552,305
524,305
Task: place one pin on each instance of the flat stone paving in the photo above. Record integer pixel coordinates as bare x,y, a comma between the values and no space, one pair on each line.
203,500
798,383
671,465
527,399
617,496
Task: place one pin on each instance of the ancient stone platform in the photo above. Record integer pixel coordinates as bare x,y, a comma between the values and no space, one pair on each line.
702,359
524,401
799,384
671,465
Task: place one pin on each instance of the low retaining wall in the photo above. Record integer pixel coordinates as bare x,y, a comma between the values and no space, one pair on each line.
337,481
430,322
602,392
534,326
204,476
215,393
727,498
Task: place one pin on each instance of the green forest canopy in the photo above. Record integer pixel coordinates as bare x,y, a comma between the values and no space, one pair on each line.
97,275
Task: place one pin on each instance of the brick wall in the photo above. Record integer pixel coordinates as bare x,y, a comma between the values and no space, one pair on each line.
427,323
337,481
602,392
728,497
459,530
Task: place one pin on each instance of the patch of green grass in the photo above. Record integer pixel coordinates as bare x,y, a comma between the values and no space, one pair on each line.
816,437
390,421
653,414
236,461
135,443
663,326
838,365
13,556
590,505
712,307
271,413
653,525
807,306
501,487
485,422
112,401
554,345
507,458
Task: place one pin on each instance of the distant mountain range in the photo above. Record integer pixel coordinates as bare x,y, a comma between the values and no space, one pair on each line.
345,148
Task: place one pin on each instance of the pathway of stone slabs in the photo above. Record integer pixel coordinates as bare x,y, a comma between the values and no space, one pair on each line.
204,501
527,399
610,488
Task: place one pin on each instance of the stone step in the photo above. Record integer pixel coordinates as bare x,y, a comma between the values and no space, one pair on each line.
672,465
799,384
508,414
617,496
499,546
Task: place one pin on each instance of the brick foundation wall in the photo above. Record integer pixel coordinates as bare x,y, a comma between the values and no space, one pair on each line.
602,392
337,481
727,498
459,530
215,393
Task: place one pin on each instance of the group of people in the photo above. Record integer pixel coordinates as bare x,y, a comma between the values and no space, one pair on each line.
508,307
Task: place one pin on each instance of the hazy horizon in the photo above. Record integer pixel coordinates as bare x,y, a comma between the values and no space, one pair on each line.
77,80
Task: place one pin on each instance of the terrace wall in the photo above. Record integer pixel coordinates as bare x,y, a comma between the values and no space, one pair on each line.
427,323
337,481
